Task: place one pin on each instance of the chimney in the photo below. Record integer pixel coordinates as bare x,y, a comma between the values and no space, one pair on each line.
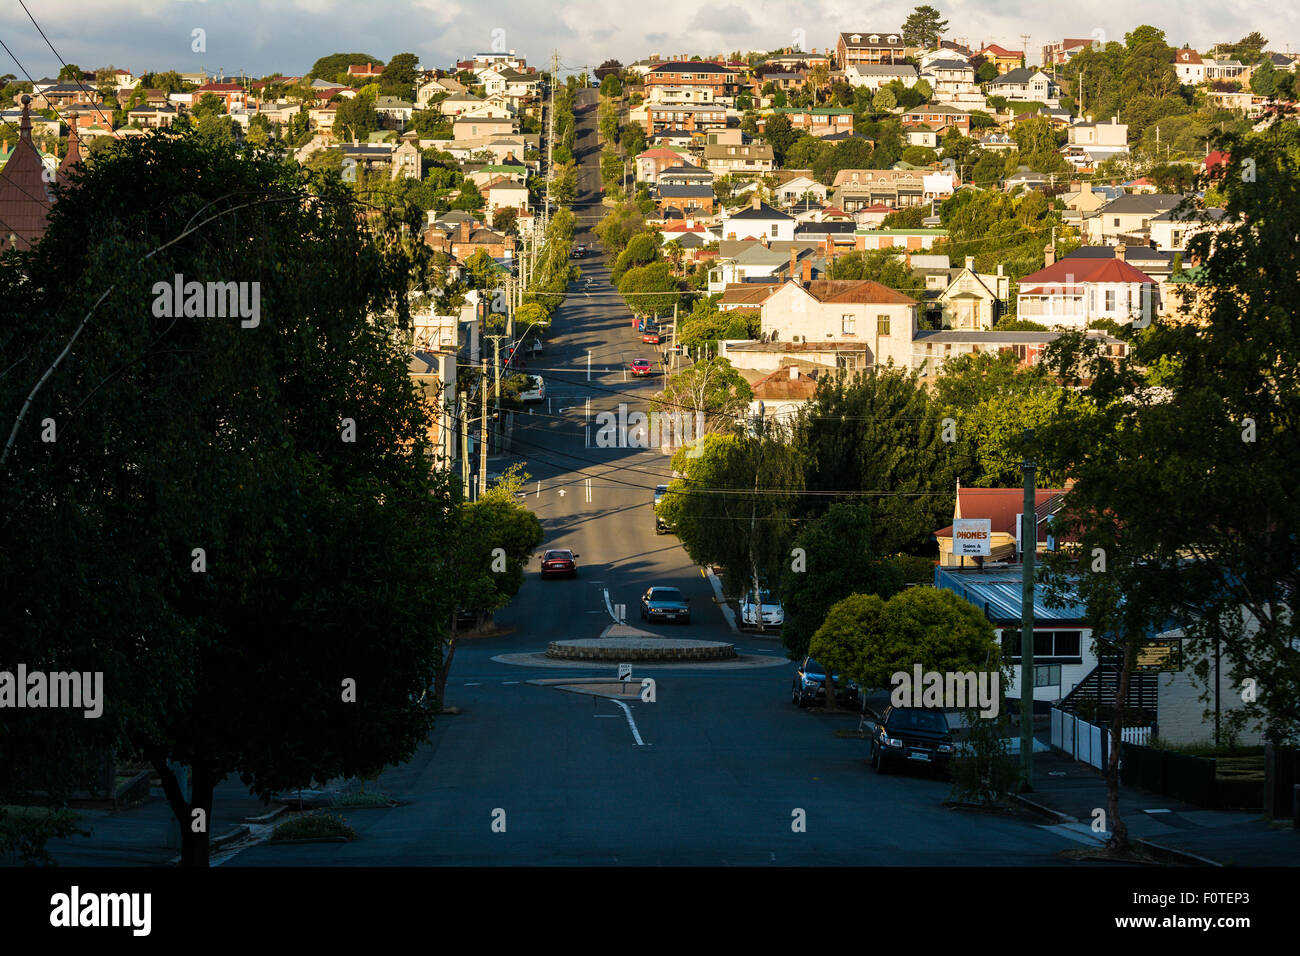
970,263
807,270
794,373
1049,254
463,235
758,200
1121,250
794,259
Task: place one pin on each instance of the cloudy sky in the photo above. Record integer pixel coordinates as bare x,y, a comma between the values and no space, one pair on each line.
263,36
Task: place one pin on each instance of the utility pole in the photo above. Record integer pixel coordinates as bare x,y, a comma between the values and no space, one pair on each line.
1028,545
674,353
462,405
496,377
550,129
753,521
482,430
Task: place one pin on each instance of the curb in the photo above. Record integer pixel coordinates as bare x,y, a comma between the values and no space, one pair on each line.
1055,816
728,614
267,817
216,843
1180,856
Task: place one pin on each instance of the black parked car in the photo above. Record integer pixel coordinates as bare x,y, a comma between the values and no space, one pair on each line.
810,685
911,736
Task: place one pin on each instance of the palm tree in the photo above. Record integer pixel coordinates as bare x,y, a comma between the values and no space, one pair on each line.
674,250
819,76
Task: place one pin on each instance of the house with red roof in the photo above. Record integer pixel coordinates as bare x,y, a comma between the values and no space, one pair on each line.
857,313
1005,60
652,162
1189,66
1002,508
1075,291
370,71
232,94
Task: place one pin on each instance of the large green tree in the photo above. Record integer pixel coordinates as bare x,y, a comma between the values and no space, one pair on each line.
924,26
733,507
879,436
1203,413
870,640
832,557
239,523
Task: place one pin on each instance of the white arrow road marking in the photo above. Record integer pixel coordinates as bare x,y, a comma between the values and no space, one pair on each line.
609,607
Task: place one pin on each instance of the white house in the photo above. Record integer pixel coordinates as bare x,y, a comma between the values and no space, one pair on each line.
855,312
1024,85
759,221
874,76
1075,291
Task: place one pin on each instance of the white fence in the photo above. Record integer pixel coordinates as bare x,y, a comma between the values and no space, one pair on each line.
1087,742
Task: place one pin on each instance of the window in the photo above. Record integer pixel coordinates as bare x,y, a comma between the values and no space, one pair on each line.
1049,646
774,228
882,325
1117,222
846,325
1110,300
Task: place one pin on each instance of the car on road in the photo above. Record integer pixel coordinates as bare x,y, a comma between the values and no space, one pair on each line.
559,562
536,390
665,604
810,685
770,605
650,338
579,251
911,736
640,366
660,491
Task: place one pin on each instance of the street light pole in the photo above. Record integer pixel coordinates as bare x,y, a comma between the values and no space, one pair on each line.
1028,545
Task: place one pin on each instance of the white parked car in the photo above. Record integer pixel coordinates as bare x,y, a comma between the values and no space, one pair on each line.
536,390
773,612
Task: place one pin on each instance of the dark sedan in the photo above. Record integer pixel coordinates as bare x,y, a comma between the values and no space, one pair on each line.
665,604
911,736
559,562
810,685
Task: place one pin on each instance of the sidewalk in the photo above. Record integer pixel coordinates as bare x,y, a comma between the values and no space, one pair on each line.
1229,837
137,837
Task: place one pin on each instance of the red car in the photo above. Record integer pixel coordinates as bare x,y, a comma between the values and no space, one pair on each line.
650,338
559,562
639,367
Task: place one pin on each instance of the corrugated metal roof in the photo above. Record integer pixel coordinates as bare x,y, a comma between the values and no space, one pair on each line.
997,592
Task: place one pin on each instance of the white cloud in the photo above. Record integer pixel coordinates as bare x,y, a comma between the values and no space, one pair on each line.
259,36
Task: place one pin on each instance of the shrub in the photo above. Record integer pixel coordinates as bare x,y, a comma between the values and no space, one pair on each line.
314,826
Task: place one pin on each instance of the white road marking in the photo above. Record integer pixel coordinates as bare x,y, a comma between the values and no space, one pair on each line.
1078,832
609,607
510,682
473,685
1157,811
636,734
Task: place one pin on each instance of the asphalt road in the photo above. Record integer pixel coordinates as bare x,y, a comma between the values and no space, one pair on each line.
726,768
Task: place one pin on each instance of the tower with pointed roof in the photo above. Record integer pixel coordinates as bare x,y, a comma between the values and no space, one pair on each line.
24,191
